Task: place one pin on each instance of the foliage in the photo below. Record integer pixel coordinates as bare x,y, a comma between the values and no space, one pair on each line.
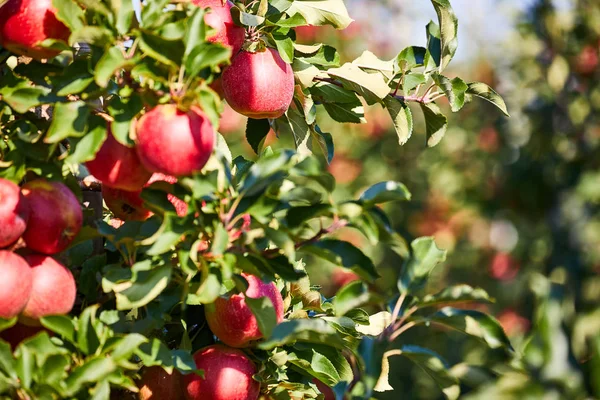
141,298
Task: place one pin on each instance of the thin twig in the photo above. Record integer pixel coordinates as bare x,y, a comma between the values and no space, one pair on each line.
400,331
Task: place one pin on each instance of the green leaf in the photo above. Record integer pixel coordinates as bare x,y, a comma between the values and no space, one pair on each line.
7,323
424,258
325,142
195,32
319,54
86,148
68,120
325,363
25,365
344,254
94,370
256,133
205,55
435,367
487,93
455,294
69,13
448,23
384,192
329,92
61,325
246,19
7,361
21,96
109,63
285,47
353,113
409,58
475,323
266,318
304,72
302,330
434,46
401,118
454,90
124,110
322,12
291,22
372,87
265,171
92,35
169,52
436,123
369,62
351,296
146,284
123,13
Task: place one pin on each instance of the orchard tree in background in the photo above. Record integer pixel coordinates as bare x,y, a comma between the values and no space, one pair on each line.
192,284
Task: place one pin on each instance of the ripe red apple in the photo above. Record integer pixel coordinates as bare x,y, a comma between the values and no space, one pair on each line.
326,390
16,284
129,206
174,142
219,18
231,319
259,85
26,23
14,213
158,384
53,291
227,376
55,216
19,332
118,166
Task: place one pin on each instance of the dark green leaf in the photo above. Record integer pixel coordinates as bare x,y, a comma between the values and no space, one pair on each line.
454,90
169,52
384,192
485,92
436,123
455,294
256,133
448,31
475,323
344,254
424,258
266,318
68,120
302,330
401,117
351,296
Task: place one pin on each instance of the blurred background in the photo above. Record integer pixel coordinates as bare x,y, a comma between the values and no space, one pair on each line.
514,201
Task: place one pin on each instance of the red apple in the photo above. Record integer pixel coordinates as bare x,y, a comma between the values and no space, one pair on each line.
231,319
129,206
19,332
219,18
231,121
259,85
53,291
174,142
14,213
16,284
326,390
340,277
158,384
26,23
227,376
55,216
118,166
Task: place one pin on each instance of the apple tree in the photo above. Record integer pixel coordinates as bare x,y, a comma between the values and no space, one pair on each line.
192,281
